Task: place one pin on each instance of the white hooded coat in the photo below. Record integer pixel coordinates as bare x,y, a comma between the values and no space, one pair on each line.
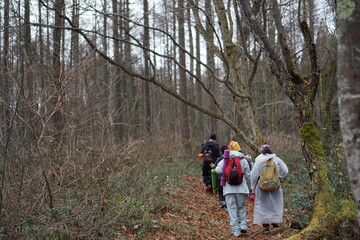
243,187
268,206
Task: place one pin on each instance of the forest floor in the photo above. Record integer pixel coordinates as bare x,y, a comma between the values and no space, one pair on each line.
197,215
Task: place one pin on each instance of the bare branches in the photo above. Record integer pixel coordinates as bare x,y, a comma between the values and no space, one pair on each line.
295,77
315,71
217,50
258,31
134,40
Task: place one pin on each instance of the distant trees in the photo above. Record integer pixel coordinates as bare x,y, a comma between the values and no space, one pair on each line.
249,131
227,81
200,53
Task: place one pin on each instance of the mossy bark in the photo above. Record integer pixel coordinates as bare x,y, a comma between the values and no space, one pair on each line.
348,72
244,112
327,216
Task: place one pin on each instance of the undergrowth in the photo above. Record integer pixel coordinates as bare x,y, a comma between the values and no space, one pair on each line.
97,192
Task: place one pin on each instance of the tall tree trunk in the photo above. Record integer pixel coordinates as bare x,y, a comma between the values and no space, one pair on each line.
128,80
4,91
118,128
148,117
74,35
210,60
5,72
28,76
106,77
185,131
174,70
199,91
245,115
192,97
58,98
41,77
348,73
74,61
131,96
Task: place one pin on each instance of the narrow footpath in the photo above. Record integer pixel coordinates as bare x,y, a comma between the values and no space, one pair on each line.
197,215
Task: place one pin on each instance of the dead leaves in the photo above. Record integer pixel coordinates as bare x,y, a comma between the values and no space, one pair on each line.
198,215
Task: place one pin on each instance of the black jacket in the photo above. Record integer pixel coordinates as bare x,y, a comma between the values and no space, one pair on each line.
214,147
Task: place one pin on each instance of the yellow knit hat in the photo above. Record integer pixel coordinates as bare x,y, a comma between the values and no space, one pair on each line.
234,146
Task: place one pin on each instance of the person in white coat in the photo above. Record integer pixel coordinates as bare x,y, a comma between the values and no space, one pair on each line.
235,195
268,206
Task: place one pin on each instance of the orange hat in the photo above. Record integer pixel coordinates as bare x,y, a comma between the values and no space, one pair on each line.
234,146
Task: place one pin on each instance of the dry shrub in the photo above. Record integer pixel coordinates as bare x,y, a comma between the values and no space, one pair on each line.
93,191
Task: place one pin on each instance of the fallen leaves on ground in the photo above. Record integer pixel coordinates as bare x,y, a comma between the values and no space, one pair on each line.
197,215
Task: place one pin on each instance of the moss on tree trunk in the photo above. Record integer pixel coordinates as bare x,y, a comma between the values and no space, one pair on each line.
327,216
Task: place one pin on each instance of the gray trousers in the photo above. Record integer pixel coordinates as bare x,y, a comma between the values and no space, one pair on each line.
236,206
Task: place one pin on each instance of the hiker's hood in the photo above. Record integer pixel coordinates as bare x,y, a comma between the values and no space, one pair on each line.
234,154
265,157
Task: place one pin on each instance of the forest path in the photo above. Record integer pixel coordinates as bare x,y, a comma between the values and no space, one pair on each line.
197,215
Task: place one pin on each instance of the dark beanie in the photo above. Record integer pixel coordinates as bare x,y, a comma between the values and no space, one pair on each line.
213,136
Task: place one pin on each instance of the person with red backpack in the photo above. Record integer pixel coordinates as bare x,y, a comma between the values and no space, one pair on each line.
210,152
265,180
235,172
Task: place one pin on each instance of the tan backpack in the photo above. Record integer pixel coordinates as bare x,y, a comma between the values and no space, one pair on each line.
269,176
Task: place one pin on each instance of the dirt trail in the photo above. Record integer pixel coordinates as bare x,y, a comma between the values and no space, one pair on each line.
197,215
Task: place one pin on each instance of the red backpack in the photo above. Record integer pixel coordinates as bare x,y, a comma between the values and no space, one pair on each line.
233,171
207,155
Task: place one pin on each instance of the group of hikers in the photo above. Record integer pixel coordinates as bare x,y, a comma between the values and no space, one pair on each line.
238,177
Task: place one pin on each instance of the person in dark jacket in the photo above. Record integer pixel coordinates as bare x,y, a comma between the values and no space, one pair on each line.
215,152
220,188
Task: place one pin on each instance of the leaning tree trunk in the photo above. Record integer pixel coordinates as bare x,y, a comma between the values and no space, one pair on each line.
302,93
246,116
229,53
348,73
